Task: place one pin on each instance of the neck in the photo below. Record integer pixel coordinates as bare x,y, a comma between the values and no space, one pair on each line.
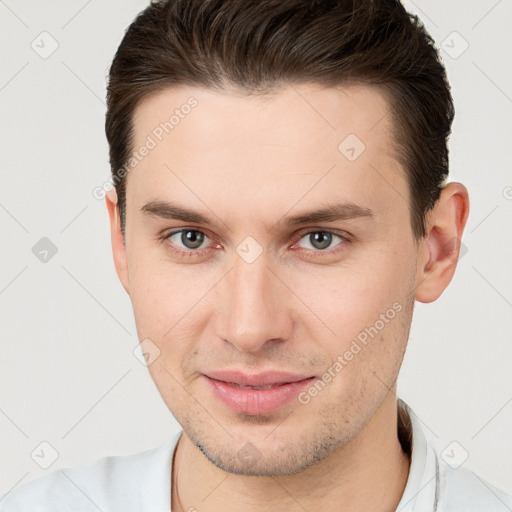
368,473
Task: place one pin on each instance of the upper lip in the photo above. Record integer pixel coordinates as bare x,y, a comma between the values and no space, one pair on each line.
256,379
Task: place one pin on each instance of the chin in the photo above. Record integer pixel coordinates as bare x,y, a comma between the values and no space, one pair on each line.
286,459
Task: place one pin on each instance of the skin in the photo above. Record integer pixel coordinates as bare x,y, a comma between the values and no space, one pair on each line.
247,162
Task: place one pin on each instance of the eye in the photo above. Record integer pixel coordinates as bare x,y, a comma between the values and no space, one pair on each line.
190,239
192,242
321,240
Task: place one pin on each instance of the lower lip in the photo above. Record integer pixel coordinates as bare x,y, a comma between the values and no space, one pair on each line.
257,402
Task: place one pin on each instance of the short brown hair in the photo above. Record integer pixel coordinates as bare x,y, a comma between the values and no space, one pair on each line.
257,45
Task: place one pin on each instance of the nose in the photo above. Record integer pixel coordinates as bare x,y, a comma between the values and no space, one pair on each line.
256,308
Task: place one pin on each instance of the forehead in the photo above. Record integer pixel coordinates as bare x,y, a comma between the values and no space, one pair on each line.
251,149
313,110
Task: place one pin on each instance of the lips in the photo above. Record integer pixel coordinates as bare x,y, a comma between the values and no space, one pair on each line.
259,379
241,386
256,394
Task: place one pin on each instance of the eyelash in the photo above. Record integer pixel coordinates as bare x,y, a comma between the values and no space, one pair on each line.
345,238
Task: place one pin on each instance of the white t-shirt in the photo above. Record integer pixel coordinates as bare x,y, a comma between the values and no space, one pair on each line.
141,483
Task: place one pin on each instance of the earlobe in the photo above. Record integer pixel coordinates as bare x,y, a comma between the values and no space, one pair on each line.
116,235
441,246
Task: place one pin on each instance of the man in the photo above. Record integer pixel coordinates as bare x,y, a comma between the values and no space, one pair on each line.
280,204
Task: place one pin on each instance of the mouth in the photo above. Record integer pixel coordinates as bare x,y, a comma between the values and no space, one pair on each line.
241,386
256,394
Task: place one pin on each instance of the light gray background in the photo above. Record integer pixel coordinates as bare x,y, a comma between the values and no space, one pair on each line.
68,373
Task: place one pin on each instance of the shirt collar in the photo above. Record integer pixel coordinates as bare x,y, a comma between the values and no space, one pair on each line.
422,487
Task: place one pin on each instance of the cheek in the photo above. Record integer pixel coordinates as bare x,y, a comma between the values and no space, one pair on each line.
349,299
158,292
152,300
335,303
361,321
171,302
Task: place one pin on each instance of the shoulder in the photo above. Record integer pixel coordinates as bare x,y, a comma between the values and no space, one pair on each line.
111,484
437,479
461,489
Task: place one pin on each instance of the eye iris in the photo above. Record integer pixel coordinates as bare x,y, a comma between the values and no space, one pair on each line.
320,240
192,239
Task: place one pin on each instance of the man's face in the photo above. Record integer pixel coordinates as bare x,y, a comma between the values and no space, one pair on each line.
250,292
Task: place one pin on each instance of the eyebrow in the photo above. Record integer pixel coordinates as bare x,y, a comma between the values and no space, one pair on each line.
330,213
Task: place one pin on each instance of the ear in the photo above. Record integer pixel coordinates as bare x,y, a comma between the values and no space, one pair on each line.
440,248
118,245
